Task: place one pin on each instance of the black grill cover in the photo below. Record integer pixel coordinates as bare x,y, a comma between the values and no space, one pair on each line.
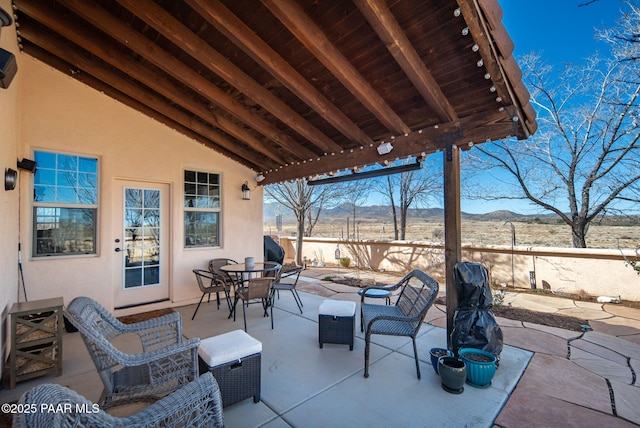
474,325
273,252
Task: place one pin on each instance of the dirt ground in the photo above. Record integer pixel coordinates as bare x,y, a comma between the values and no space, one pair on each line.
474,232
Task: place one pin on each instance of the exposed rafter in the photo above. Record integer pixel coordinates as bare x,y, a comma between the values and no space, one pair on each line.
295,88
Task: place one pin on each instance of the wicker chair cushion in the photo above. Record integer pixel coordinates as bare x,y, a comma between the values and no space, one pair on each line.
227,347
337,308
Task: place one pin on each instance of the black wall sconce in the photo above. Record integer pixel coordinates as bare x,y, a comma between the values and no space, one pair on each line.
28,165
10,178
246,192
8,65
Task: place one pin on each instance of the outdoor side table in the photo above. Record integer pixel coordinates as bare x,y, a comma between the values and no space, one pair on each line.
36,339
336,322
234,359
376,293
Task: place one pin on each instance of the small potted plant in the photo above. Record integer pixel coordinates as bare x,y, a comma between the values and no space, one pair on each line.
436,353
481,366
453,373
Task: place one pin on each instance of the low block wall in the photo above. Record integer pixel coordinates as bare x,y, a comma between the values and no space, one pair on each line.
569,270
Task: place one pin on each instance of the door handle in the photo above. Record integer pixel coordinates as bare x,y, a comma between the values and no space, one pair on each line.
118,250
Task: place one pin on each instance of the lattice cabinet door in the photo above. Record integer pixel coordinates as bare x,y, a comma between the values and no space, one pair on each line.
36,339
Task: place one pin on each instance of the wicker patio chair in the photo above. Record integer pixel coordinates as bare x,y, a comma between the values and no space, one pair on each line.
165,364
216,264
256,290
418,291
209,283
197,404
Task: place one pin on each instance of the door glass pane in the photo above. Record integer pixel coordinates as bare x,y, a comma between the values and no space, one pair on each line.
142,238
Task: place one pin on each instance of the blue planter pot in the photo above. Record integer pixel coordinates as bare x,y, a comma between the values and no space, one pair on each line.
481,366
436,353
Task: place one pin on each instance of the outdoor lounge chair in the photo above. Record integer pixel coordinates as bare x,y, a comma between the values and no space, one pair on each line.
165,364
196,404
418,291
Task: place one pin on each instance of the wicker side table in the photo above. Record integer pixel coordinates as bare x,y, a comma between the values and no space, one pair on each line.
36,339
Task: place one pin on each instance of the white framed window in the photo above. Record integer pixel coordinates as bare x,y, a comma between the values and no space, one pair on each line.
65,204
202,209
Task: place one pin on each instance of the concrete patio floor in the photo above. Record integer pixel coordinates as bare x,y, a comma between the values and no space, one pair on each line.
547,376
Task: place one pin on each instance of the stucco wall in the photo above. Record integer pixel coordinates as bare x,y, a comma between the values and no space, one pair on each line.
568,270
9,136
59,113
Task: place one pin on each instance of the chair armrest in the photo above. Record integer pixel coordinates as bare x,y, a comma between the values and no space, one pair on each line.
124,359
157,332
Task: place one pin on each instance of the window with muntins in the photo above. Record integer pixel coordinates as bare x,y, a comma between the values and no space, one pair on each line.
65,204
201,209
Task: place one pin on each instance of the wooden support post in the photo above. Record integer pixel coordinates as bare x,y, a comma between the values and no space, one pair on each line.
452,241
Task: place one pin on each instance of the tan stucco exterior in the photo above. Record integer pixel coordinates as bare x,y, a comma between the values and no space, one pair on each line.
47,110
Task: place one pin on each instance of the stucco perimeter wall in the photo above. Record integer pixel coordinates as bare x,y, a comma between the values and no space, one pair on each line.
564,270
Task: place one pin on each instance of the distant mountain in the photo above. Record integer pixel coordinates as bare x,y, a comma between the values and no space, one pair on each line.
384,211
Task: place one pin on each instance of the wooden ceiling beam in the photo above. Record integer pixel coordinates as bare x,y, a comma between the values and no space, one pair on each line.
463,132
389,31
482,38
112,26
88,41
124,90
242,36
91,81
172,29
314,39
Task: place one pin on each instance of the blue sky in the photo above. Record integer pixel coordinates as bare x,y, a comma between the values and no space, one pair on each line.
559,31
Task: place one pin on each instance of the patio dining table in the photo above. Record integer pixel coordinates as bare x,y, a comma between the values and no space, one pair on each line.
243,272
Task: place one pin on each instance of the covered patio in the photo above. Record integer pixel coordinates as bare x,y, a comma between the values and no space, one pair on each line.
305,386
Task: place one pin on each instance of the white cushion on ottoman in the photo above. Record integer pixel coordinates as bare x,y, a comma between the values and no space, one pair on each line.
337,308
227,347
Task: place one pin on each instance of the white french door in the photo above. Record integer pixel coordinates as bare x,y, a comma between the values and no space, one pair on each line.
141,222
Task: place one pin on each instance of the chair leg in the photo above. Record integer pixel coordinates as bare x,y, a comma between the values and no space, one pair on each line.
296,297
415,354
244,316
197,307
367,344
271,314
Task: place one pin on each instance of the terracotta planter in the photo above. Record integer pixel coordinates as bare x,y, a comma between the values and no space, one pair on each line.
453,374
481,366
436,353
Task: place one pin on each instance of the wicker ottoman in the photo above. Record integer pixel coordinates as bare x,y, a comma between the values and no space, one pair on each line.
234,360
336,322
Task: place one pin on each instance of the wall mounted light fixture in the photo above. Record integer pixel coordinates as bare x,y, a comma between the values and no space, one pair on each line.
10,178
246,192
28,165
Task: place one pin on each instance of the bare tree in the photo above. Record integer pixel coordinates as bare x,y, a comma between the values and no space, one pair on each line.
625,37
305,201
406,189
355,193
584,161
